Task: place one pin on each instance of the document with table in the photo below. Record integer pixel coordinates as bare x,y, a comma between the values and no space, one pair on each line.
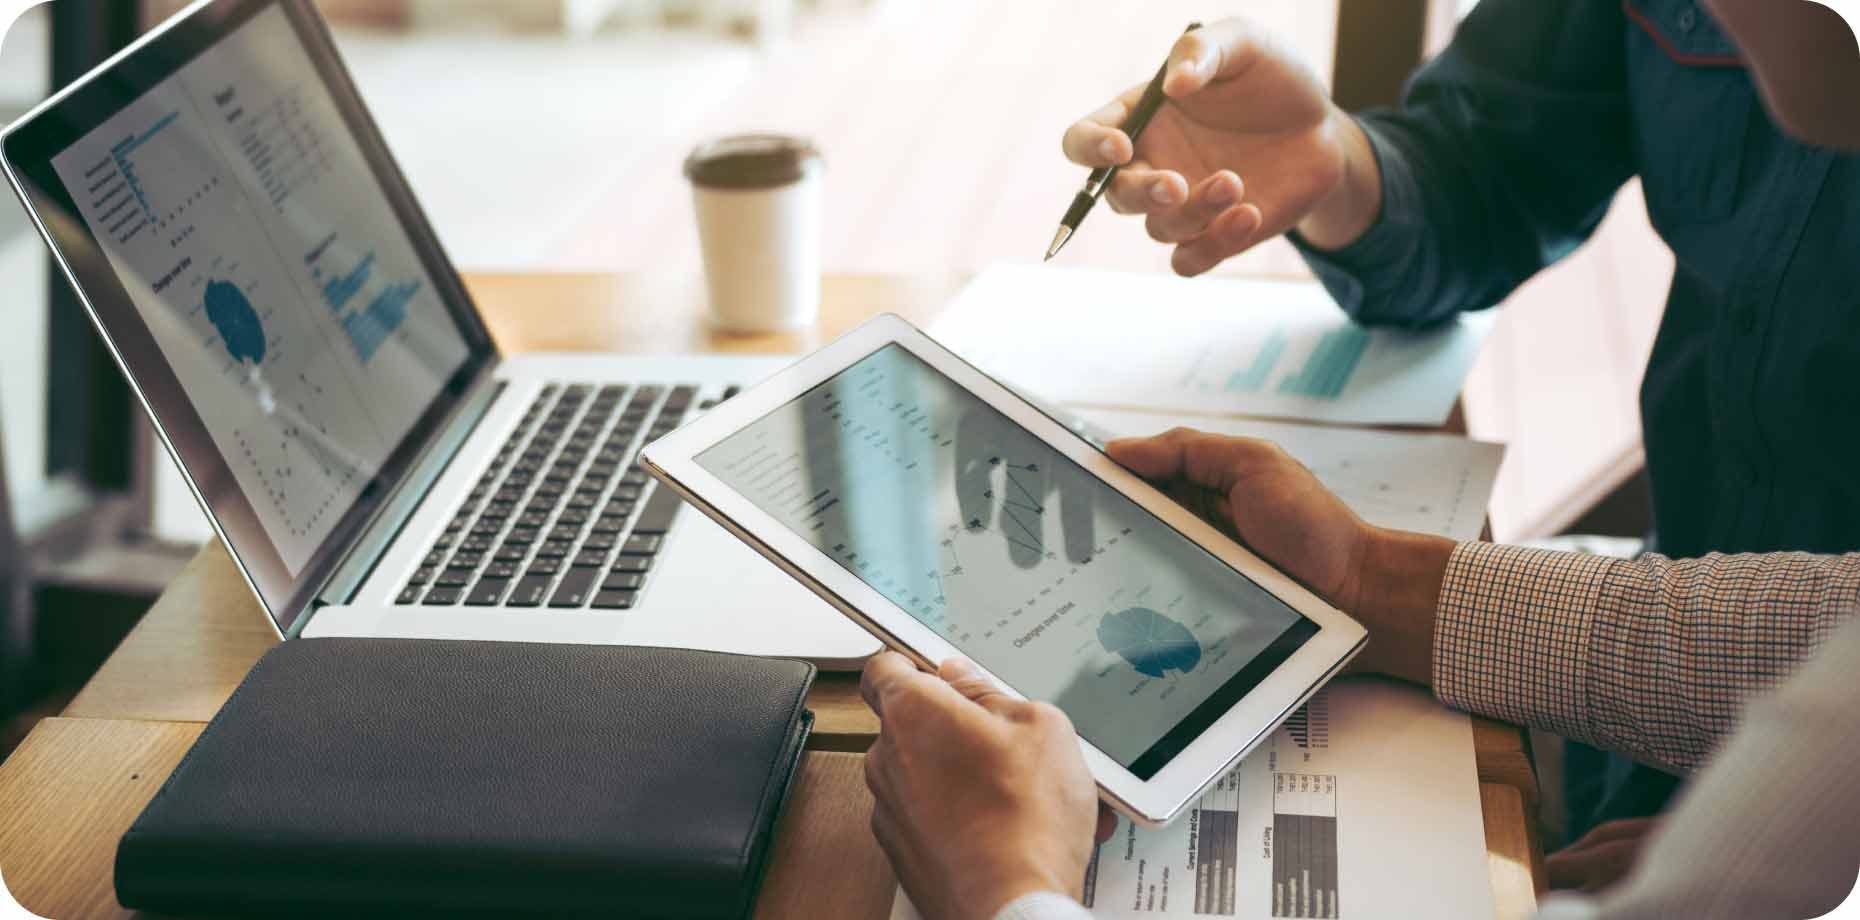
1356,807
1207,346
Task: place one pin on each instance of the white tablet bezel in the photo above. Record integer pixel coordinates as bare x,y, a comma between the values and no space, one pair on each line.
1182,779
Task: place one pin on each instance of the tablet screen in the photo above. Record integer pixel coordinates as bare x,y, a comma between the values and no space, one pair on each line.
1015,554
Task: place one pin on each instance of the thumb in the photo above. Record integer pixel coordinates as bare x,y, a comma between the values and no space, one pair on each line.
968,680
1149,458
1218,52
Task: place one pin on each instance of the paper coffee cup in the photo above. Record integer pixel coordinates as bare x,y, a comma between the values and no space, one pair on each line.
758,200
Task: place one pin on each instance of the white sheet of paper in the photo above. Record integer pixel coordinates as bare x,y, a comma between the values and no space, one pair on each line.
1432,483
1212,346
1364,804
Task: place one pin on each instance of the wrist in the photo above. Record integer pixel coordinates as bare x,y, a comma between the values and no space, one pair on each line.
1354,203
1398,599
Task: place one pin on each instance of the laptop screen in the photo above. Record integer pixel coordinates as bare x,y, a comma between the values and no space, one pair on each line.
255,240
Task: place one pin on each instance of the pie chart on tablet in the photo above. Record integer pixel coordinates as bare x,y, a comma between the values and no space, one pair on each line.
1153,644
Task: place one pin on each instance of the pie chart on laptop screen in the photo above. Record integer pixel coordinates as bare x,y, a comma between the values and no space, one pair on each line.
1151,643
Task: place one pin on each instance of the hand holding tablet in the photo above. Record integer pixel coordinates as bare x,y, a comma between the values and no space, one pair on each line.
951,518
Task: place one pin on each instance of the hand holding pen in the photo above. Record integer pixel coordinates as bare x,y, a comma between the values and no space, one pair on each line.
1237,107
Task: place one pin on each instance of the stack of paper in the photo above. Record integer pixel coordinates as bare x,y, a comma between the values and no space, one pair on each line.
1431,483
1210,346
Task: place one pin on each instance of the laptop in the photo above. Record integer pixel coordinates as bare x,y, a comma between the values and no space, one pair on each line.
237,230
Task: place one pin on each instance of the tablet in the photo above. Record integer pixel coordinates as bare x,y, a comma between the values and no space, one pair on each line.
949,516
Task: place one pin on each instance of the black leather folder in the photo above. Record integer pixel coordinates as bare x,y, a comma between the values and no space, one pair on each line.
384,776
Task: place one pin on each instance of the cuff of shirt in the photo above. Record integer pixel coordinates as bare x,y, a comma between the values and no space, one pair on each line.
1042,905
1388,243
1512,632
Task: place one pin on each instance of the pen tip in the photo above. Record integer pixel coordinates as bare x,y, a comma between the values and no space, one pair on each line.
1059,242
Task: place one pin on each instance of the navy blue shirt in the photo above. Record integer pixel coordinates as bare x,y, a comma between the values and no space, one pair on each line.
1505,154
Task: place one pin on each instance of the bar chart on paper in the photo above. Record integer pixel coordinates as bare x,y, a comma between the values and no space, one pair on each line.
1224,347
1304,845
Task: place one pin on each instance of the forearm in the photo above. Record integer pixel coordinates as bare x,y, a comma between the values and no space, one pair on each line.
1652,658
1503,156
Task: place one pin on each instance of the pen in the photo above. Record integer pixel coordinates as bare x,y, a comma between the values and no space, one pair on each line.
1100,178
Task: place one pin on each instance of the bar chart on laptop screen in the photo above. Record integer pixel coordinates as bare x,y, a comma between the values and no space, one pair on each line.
246,226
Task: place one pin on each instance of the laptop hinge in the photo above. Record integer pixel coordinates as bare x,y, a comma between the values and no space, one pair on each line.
395,512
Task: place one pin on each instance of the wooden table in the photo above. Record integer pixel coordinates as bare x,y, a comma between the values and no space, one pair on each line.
78,781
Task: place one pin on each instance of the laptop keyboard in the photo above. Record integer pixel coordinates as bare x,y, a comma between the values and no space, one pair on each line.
564,517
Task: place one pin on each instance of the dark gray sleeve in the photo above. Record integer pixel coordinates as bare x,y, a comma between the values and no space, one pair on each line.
1503,156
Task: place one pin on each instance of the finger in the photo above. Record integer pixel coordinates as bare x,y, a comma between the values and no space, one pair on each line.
1140,189
1620,829
874,765
1096,140
1107,823
1211,461
885,674
968,680
1232,233
1221,51
885,831
1209,199
1592,870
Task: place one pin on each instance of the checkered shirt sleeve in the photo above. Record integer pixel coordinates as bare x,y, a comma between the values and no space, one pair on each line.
1653,658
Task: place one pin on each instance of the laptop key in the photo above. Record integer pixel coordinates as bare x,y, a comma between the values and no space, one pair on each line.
531,591
641,544
622,581
614,600
554,549
545,567
632,564
661,508
681,396
600,541
453,578
592,559
408,595
487,592
501,570
575,588
610,523
442,597
421,576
